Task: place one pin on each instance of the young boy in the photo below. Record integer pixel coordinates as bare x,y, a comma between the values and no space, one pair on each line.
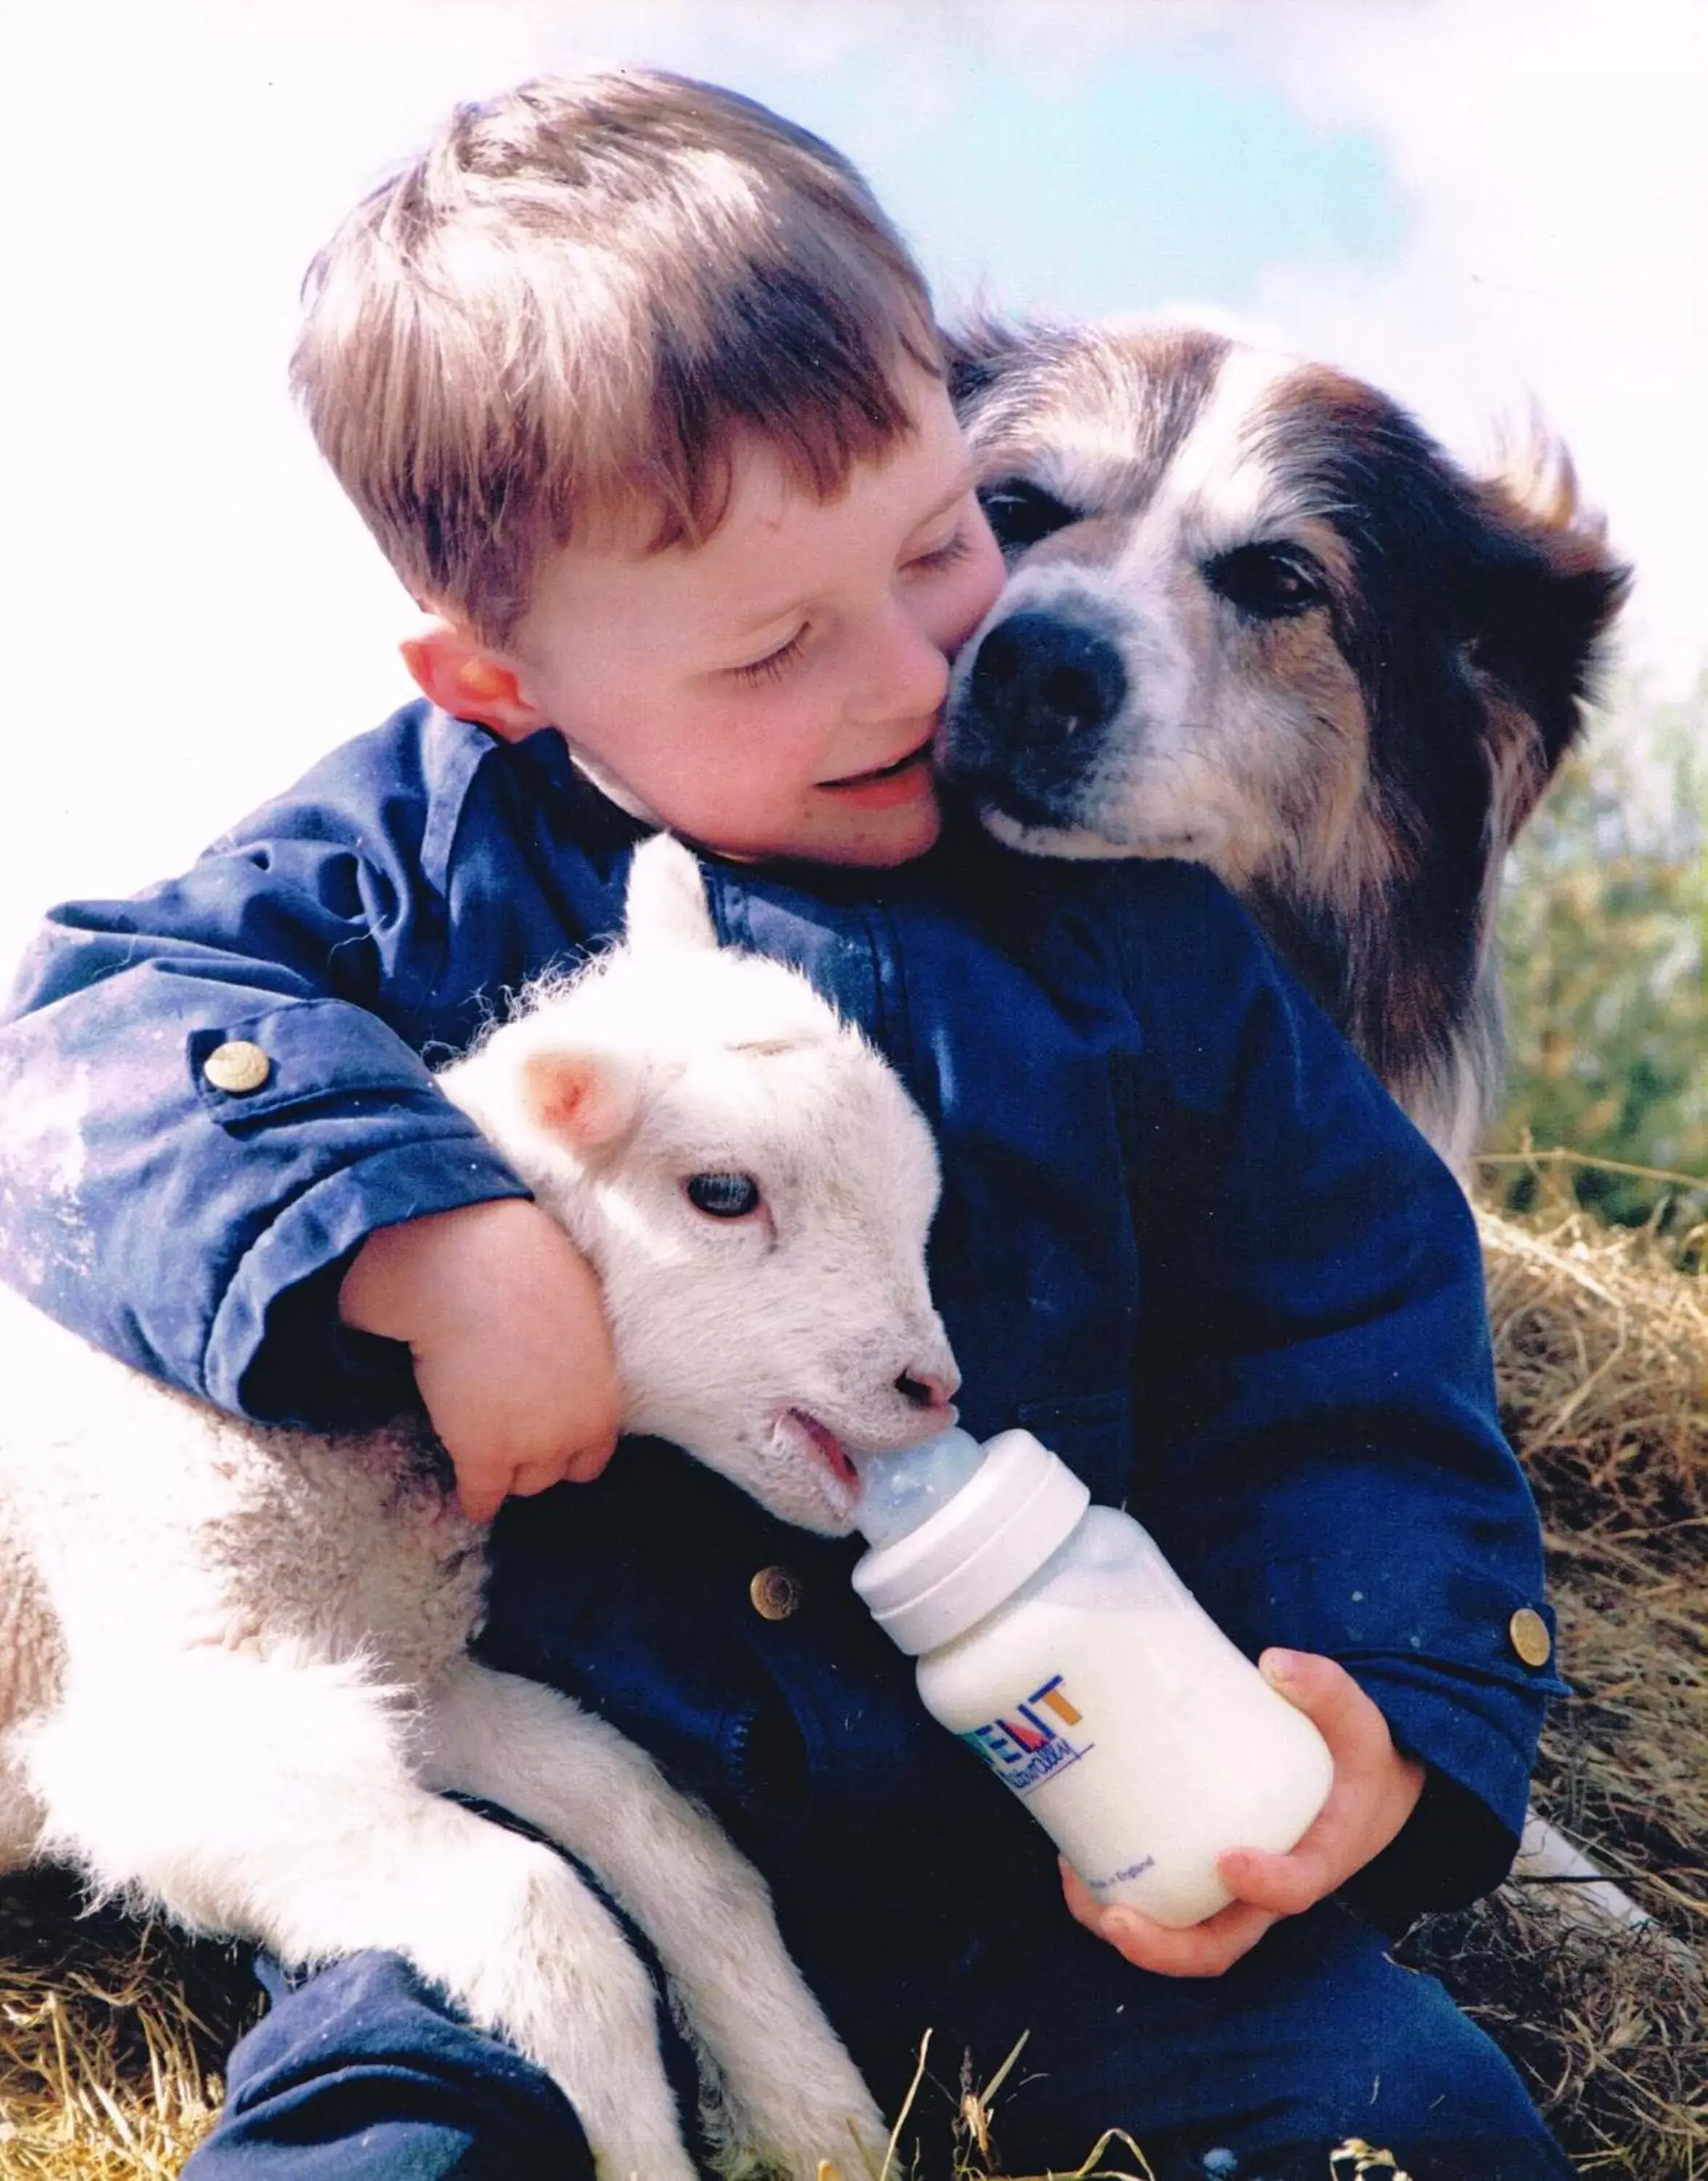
641,397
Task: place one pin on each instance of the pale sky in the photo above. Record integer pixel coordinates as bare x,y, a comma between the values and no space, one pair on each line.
1481,204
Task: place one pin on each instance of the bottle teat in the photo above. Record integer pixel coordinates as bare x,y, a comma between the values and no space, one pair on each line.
955,1527
899,1491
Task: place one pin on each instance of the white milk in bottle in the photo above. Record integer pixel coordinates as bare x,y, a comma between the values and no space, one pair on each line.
1054,1639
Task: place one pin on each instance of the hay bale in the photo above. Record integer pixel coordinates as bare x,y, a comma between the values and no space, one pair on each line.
112,2036
1601,1348
1607,2026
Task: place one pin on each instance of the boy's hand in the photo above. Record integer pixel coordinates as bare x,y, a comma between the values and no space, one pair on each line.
506,1325
1375,1790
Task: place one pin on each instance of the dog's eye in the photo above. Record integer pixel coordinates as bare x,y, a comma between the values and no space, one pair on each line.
723,1195
1021,513
1267,581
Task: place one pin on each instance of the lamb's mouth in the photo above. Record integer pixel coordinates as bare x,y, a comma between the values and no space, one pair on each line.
826,1444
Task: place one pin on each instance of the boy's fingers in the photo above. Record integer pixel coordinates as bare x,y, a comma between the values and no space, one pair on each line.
578,1465
1268,1886
1375,1789
528,1478
589,1459
482,1492
1281,1884
481,1497
1325,1692
1202,1950
1081,1901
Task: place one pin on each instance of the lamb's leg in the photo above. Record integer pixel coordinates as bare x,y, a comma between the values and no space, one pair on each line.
790,2093
31,1665
285,1811
20,1814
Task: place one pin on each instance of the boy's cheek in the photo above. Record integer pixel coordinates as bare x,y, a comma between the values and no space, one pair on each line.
989,575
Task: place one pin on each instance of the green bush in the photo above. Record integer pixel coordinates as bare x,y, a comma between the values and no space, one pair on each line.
1602,927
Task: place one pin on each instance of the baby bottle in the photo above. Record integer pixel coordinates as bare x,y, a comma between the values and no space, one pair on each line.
1054,1639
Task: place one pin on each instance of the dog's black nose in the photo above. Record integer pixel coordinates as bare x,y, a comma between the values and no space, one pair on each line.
1039,681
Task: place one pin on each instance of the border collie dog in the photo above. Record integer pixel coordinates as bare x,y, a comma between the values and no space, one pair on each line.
1256,619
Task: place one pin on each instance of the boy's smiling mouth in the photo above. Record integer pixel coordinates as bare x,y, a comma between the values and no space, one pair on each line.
900,777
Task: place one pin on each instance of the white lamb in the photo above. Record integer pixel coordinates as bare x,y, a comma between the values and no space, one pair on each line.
754,1188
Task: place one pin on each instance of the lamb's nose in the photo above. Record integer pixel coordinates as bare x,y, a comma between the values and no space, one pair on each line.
1040,681
925,1391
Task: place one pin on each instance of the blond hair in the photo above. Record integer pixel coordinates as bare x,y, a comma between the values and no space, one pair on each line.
573,307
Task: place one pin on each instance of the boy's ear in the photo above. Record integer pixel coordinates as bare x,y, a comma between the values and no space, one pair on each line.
459,674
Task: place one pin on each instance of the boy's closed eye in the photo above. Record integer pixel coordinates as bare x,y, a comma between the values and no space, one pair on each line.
775,663
953,550
955,547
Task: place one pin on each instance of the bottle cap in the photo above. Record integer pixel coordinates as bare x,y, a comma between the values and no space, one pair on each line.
934,1583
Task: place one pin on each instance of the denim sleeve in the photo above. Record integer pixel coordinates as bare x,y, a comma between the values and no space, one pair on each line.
1333,1474
194,1220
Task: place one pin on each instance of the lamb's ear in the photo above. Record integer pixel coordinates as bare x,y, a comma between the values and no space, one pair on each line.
1547,591
666,902
585,1098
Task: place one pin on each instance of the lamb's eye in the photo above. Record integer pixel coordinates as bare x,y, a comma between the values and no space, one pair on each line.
1267,582
1021,513
723,1195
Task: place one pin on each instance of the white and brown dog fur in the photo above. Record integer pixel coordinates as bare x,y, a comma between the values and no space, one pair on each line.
1257,619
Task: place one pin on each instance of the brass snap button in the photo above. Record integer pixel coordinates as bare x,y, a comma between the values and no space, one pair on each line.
237,1066
1528,1633
775,1593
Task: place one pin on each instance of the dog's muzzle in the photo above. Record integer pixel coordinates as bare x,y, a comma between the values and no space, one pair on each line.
1029,719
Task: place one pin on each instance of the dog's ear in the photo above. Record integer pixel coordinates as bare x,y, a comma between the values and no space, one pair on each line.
974,355
1544,595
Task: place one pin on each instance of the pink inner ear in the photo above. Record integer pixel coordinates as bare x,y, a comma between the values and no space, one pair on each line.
577,1096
